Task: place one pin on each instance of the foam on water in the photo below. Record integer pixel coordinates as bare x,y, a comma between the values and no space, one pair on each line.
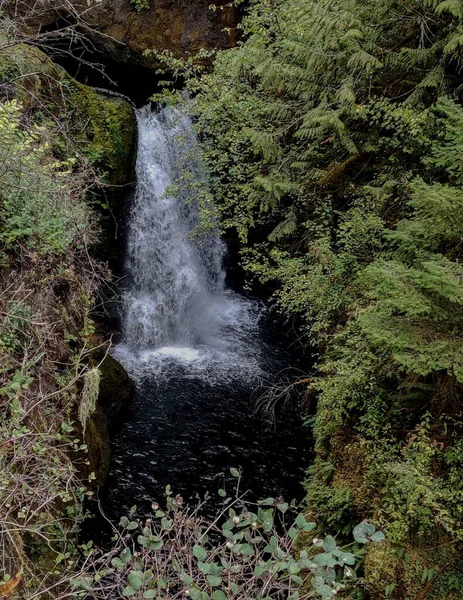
177,312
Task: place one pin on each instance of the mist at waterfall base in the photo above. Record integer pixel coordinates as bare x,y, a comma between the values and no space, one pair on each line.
200,354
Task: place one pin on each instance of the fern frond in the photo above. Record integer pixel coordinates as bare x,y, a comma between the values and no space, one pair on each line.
285,228
453,7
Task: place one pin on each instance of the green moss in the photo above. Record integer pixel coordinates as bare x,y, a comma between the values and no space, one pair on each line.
381,565
107,130
140,4
434,573
103,128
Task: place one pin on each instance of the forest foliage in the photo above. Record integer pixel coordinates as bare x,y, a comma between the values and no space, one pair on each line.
333,136
333,139
49,280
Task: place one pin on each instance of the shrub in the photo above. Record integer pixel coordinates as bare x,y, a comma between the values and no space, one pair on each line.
247,550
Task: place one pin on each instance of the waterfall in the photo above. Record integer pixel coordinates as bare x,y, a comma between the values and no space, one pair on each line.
197,351
176,306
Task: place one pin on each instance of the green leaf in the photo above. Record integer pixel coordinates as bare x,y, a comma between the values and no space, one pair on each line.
234,472
166,523
293,533
151,542
346,558
296,579
125,555
214,580
204,567
135,579
300,520
282,506
124,522
187,579
128,591
219,595
215,569
116,562
268,502
150,594
195,594
325,592
222,493
329,544
228,525
246,549
84,584
293,569
325,560
378,536
199,552
266,518
363,531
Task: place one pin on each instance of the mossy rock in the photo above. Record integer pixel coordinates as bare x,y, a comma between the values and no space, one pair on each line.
115,394
99,446
350,467
337,493
116,388
102,129
107,130
434,573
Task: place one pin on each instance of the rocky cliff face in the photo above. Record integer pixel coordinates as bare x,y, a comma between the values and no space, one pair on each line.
181,26
176,25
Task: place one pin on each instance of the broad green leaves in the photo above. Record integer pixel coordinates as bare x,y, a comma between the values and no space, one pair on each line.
249,552
365,532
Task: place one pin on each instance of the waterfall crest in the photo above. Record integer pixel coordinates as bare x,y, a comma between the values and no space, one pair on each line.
176,304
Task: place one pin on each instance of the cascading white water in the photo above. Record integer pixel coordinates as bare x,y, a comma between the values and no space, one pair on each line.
196,350
176,307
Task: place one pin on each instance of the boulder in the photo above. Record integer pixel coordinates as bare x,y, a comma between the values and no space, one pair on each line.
115,395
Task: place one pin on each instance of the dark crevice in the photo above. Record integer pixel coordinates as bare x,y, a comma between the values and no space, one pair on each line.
87,63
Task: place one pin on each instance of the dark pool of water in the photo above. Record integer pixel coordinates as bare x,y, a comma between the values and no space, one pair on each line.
187,431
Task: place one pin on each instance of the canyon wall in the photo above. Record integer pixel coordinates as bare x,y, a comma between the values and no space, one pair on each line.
125,29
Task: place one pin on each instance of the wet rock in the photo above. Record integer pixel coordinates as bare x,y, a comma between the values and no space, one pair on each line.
116,393
116,388
98,443
182,26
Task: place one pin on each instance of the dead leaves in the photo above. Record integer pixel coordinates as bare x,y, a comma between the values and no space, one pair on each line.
7,588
